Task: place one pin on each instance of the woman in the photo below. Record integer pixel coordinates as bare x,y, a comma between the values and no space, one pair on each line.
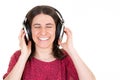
41,58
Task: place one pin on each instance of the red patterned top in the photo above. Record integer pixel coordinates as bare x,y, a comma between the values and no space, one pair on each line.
39,70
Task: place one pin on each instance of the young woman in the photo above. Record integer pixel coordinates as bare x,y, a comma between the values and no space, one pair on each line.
40,57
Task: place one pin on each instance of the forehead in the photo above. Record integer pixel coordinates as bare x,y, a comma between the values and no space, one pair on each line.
43,18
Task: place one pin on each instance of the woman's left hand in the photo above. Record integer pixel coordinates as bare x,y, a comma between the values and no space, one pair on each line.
68,44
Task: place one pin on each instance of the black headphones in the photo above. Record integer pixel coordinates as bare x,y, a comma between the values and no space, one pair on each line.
59,27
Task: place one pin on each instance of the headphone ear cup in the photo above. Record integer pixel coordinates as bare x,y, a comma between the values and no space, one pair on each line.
59,31
27,30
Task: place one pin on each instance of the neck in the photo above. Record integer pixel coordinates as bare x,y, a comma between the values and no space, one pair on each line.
44,54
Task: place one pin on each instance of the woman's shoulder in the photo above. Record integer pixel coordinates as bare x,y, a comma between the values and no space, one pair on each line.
16,54
66,58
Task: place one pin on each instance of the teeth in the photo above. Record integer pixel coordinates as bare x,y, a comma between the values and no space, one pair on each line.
43,38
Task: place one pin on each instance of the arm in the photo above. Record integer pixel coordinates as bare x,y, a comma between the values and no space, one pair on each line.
17,71
83,71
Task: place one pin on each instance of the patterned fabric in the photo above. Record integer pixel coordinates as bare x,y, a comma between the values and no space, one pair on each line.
39,70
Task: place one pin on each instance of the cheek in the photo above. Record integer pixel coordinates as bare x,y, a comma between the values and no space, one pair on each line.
34,33
52,33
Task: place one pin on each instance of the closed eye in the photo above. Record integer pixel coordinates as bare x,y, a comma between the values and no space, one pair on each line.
49,25
36,25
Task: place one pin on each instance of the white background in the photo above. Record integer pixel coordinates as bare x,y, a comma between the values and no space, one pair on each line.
95,25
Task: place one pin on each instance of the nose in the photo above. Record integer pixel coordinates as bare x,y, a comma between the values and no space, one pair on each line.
43,31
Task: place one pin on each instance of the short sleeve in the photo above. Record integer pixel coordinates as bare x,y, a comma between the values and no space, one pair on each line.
12,62
71,70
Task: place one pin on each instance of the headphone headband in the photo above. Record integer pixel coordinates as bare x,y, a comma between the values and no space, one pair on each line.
59,15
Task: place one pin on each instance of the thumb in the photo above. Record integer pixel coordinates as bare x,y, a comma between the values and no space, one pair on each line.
29,44
59,42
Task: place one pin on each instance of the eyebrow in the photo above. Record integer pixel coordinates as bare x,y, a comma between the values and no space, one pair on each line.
36,24
49,24
46,24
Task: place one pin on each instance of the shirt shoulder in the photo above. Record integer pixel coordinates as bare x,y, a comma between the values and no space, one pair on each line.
16,55
66,60
71,71
12,62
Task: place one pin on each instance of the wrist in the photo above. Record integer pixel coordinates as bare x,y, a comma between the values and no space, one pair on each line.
71,50
24,56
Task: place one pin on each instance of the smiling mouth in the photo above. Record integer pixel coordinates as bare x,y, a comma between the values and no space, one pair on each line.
43,39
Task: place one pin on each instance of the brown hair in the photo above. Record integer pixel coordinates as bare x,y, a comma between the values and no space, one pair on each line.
48,10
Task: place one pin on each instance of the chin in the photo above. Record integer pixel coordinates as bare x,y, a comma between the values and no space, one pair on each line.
44,46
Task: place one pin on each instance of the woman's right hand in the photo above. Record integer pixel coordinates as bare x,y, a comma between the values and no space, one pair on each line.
25,49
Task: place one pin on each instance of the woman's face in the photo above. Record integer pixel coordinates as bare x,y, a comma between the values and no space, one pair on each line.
43,31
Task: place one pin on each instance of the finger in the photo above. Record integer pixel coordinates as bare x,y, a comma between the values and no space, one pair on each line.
29,45
68,33
23,38
59,42
20,34
20,37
